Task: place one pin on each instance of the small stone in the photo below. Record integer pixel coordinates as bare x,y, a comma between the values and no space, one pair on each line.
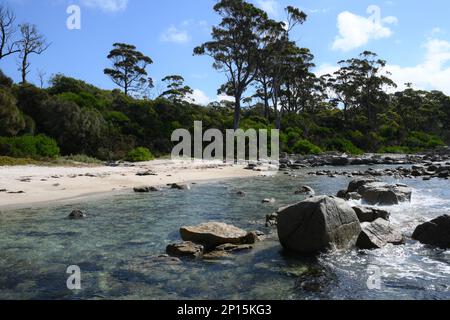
77,214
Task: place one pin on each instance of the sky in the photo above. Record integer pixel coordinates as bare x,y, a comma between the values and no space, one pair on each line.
412,36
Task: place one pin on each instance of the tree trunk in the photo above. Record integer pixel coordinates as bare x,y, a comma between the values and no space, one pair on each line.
237,112
266,102
24,68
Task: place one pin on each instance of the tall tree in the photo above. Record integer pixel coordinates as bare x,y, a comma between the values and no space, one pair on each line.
234,46
129,68
31,42
176,91
7,31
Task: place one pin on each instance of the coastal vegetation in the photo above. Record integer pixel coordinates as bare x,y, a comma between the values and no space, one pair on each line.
354,110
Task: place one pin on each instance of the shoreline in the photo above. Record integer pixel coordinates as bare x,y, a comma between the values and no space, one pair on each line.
46,186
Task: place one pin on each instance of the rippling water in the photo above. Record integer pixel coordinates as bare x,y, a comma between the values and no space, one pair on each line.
115,246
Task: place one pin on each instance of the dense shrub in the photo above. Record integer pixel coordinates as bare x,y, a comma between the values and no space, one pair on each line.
421,140
11,119
306,147
343,145
28,146
139,154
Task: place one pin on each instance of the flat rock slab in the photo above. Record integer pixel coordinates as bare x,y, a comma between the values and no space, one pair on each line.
214,234
380,193
378,234
435,232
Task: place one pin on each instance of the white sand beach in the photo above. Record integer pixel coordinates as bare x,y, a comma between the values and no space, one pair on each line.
27,186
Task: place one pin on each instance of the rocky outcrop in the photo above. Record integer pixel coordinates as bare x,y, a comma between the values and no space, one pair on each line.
369,214
378,234
77,214
214,234
435,232
317,224
185,249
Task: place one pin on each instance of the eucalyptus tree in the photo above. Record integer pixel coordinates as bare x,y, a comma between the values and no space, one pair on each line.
31,42
176,91
129,68
234,46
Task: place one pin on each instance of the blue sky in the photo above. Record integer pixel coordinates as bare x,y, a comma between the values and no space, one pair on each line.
412,35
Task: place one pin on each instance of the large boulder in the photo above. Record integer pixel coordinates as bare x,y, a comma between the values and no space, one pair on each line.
435,232
358,183
368,214
317,224
214,234
378,234
380,193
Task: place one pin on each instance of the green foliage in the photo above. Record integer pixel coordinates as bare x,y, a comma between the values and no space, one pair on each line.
28,146
421,140
306,147
139,154
80,158
11,119
342,145
395,150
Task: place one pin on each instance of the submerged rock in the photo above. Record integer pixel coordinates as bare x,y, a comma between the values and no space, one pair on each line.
185,249
305,190
378,234
368,214
77,214
435,232
317,224
269,200
214,234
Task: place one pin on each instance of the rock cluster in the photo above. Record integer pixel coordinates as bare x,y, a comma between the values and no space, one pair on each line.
212,240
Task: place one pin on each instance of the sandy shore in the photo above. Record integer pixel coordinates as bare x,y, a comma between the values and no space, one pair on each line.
27,186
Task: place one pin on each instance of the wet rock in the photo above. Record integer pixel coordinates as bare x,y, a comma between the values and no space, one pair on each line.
145,189
305,190
213,234
185,249
340,161
358,183
435,232
378,234
317,224
77,214
271,220
353,196
342,194
269,200
379,193
368,214
177,186
241,193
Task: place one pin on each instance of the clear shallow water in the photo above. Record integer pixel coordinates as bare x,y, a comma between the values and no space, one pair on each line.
115,248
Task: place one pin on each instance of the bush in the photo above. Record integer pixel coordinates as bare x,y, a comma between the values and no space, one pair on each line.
420,140
395,150
29,146
139,154
306,147
81,158
343,145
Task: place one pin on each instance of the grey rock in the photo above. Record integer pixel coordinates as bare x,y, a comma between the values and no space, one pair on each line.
368,214
378,234
305,190
435,232
317,224
380,193
145,189
177,186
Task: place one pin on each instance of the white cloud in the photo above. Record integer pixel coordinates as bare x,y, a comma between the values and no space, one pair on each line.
175,35
199,97
326,68
356,31
272,7
433,73
106,5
